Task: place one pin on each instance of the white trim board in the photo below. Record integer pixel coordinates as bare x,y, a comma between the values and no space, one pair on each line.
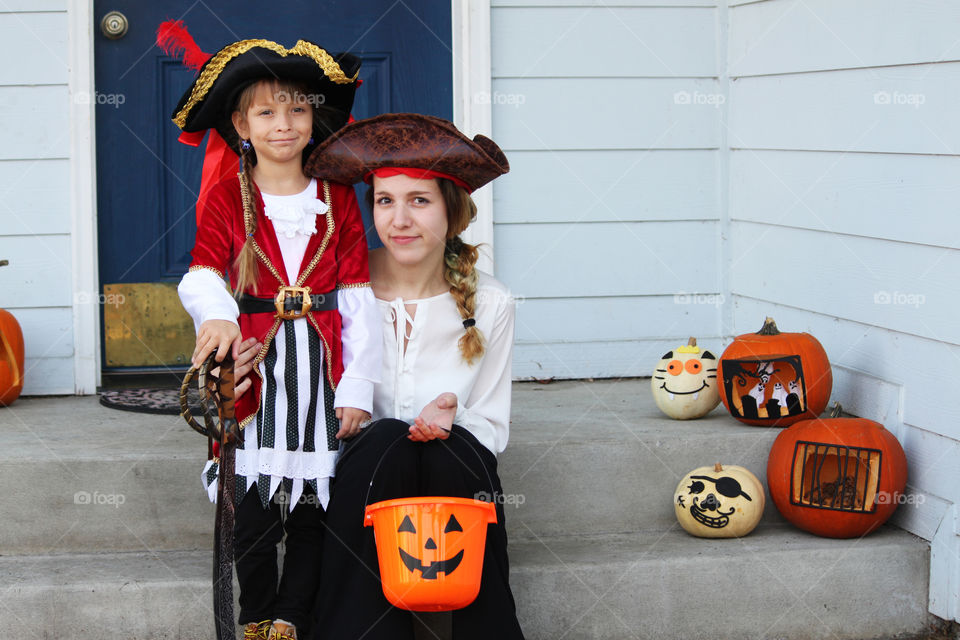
83,199
470,20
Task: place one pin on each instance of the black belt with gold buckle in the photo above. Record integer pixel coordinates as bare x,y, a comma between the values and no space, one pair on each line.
290,303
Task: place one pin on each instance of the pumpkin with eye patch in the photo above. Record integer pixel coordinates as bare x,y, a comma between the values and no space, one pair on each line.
684,383
719,502
430,550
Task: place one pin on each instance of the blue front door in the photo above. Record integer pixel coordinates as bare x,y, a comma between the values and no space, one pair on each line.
147,182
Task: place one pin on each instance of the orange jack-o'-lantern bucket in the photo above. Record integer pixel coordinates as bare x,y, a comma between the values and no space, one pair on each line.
430,550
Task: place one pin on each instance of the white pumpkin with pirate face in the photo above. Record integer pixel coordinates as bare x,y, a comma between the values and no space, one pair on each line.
719,502
685,382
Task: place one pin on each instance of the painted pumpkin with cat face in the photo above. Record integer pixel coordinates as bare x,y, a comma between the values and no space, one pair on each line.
684,383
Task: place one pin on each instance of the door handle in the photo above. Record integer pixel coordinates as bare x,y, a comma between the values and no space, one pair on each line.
114,25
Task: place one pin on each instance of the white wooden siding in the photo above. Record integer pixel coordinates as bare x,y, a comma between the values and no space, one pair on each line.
890,110
790,36
909,198
653,185
609,115
617,42
34,178
844,152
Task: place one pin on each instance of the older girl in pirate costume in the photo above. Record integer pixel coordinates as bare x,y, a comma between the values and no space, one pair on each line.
295,251
447,331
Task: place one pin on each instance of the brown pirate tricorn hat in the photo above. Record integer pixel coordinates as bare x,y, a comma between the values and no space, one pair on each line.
407,140
209,101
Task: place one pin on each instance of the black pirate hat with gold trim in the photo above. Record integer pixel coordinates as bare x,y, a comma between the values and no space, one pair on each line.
331,81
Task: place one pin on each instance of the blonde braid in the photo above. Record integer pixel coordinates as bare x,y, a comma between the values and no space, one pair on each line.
245,265
459,271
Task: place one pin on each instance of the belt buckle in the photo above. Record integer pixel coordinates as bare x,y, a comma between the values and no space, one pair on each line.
288,292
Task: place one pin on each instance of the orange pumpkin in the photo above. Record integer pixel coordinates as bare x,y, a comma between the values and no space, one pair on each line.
837,477
774,379
11,358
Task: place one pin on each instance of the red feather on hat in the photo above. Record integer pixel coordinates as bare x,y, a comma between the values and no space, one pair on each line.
219,160
176,41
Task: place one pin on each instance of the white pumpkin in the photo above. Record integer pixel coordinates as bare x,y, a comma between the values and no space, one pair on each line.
719,502
684,383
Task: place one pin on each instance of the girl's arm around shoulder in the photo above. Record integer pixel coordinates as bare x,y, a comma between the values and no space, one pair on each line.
360,333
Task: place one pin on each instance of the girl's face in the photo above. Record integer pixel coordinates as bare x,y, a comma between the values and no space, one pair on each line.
411,218
277,123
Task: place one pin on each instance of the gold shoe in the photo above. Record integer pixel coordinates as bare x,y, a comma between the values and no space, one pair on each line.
281,631
257,630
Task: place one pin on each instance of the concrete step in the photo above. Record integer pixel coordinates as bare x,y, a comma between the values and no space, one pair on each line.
776,583
584,458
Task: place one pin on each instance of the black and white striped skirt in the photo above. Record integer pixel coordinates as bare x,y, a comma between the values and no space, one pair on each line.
295,426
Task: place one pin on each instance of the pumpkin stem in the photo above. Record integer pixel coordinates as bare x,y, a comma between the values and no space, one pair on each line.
769,328
836,411
717,467
692,342
4,263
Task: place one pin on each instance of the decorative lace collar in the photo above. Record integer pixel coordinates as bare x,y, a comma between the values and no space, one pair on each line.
295,214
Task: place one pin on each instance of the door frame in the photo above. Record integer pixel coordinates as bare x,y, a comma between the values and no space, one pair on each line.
470,22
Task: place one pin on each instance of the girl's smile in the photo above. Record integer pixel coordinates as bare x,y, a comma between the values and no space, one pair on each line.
277,124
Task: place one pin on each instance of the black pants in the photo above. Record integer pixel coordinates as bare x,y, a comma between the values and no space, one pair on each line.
350,602
257,532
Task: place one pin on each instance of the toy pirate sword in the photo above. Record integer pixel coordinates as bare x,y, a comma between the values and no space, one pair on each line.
223,436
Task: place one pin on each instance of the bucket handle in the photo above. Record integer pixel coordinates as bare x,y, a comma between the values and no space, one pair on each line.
366,500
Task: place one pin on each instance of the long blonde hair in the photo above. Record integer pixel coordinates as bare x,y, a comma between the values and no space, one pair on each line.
459,264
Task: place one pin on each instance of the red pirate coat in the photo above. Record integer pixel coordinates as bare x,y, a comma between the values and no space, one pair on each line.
336,258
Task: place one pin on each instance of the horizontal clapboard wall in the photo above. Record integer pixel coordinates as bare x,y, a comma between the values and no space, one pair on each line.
843,206
34,181
607,226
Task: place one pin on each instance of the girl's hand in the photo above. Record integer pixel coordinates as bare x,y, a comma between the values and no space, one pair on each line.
243,355
436,419
216,335
350,421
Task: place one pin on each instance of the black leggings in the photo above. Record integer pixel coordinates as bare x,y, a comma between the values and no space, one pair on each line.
257,532
350,602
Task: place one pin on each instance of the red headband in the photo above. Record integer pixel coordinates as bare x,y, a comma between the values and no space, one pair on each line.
414,172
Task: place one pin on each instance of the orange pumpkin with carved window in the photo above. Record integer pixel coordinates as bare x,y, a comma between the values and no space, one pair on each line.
774,379
837,477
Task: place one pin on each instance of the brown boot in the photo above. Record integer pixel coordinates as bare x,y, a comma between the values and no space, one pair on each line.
257,630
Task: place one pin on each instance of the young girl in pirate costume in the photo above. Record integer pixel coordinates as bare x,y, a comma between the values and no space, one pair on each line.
296,255
447,332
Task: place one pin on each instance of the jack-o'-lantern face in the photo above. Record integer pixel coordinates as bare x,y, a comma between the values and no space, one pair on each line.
420,559
685,382
719,502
